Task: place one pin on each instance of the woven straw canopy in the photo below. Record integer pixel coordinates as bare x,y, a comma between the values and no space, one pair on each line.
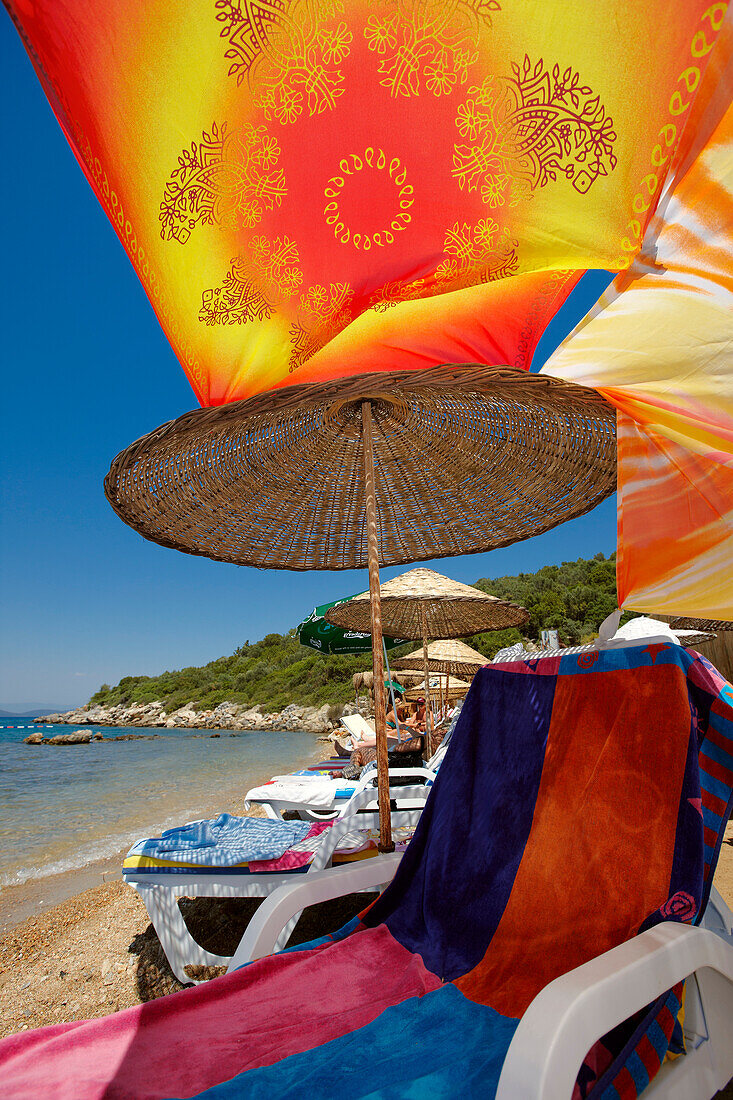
449,688
451,609
466,459
703,625
446,655
366,678
693,637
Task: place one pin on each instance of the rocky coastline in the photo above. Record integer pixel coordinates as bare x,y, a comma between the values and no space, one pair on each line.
319,721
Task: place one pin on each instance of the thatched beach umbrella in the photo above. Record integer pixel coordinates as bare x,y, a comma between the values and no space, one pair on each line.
449,689
447,655
422,598
401,677
708,627
426,605
380,469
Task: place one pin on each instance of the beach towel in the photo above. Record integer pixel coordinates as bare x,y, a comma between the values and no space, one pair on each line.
310,790
582,800
224,842
359,844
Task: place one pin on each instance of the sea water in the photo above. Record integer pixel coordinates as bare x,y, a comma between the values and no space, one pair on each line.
62,807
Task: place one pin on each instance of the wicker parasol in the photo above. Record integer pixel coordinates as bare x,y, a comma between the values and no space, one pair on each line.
366,678
426,605
704,626
688,637
464,459
392,467
446,655
447,687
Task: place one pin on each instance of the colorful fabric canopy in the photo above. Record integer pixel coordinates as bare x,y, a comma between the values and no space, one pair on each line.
659,347
311,188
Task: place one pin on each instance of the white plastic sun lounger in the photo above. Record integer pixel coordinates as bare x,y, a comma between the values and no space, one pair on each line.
571,1013
274,803
290,793
160,890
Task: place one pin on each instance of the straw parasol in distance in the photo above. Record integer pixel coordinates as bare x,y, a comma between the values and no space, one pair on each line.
383,468
452,689
449,656
424,604
704,626
446,655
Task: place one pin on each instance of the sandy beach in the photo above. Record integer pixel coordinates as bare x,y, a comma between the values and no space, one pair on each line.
96,952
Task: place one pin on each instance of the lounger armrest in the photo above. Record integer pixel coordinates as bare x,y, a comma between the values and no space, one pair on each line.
367,782
571,1013
285,902
718,917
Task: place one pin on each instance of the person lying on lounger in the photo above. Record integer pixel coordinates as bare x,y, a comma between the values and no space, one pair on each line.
400,721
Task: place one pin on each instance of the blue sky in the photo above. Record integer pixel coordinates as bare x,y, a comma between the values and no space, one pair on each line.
83,599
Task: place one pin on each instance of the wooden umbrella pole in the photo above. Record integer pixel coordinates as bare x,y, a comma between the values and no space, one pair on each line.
380,711
428,706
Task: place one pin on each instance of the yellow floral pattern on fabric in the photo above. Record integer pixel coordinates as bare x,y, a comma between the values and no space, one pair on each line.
237,301
226,179
352,165
241,297
472,255
427,44
264,276
522,131
515,134
323,313
286,50
477,254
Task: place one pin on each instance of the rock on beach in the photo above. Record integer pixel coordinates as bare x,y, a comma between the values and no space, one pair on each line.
84,737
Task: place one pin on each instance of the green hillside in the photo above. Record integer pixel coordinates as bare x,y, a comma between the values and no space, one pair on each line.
573,597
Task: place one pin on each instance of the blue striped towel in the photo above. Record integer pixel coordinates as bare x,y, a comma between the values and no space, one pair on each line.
224,842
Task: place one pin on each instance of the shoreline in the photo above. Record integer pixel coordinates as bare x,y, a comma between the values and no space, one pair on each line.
78,944
35,897
40,893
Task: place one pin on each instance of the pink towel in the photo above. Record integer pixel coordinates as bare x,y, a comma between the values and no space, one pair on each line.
190,1041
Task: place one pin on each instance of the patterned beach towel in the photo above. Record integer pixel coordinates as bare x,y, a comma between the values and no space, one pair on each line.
224,842
581,801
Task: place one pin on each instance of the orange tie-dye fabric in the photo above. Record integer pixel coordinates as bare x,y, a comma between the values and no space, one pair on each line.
659,346
315,188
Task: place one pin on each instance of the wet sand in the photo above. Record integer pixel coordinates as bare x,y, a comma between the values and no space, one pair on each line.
18,903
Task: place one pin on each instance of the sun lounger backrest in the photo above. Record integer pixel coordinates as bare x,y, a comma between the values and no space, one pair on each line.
360,817
565,817
359,727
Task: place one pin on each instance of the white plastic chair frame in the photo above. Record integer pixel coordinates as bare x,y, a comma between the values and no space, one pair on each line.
276,807
160,892
571,1013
